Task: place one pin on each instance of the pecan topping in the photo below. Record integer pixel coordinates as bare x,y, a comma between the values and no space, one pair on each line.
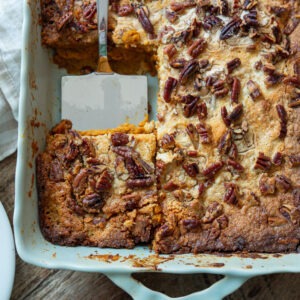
295,160
170,85
192,132
273,79
211,170
93,202
80,181
188,70
283,120
213,211
89,11
196,48
219,89
225,143
56,172
230,196
277,34
142,15
125,10
267,185
190,224
168,142
233,64
237,166
291,26
283,184
190,106
64,20
178,63
211,21
171,16
192,153
202,111
180,6
119,139
104,182
251,19
191,169
253,89
203,133
236,113
294,103
263,162
170,50
249,4
277,159
292,80
231,29
210,80
278,10
140,182
170,186
224,114
235,90
224,7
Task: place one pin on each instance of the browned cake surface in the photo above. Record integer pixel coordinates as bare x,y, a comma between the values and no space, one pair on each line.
228,129
97,191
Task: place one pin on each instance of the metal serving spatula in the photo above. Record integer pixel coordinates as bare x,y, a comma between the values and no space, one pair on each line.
103,99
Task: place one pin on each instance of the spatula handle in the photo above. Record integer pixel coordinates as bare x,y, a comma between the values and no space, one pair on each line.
102,12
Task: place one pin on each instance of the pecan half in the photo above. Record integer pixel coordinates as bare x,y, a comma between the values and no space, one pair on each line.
295,103
192,133
231,29
180,6
283,184
203,133
190,106
104,182
119,139
253,89
168,141
263,162
89,11
202,111
125,10
196,47
273,79
178,63
230,195
170,186
191,169
294,160
224,114
211,21
170,50
188,70
219,89
267,185
251,19
140,182
277,159
283,120
236,113
237,166
235,90
233,64
93,202
224,7
170,85
292,80
64,20
211,170
142,15
80,181
291,25
190,224
225,142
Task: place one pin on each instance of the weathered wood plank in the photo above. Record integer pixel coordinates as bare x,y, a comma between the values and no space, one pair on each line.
37,283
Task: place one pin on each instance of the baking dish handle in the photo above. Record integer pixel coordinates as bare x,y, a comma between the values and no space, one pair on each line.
137,290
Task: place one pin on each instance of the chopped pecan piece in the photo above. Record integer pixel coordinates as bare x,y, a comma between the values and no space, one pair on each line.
192,153
236,113
180,6
203,133
263,162
231,29
170,85
170,50
191,169
273,79
277,34
292,80
171,16
64,20
213,211
225,142
196,47
89,11
230,195
235,90
190,106
224,114
188,70
104,182
170,186
295,160
211,21
294,103
178,63
291,26
219,89
233,64
192,132
237,166
267,185
283,184
202,111
190,224
119,139
283,120
224,7
210,80
211,170
253,89
251,19
277,159
168,141
142,15
140,182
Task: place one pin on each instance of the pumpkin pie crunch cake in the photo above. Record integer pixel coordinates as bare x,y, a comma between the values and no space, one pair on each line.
222,171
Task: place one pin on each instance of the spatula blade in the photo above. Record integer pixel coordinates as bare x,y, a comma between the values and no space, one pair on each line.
101,101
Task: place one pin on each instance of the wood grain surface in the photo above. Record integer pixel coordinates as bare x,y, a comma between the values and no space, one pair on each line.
37,283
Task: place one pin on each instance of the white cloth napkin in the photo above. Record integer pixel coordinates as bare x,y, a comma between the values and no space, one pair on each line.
10,45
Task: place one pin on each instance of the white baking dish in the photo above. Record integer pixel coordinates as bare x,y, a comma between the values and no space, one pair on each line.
39,111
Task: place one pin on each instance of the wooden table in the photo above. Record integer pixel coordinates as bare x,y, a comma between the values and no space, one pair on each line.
37,283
